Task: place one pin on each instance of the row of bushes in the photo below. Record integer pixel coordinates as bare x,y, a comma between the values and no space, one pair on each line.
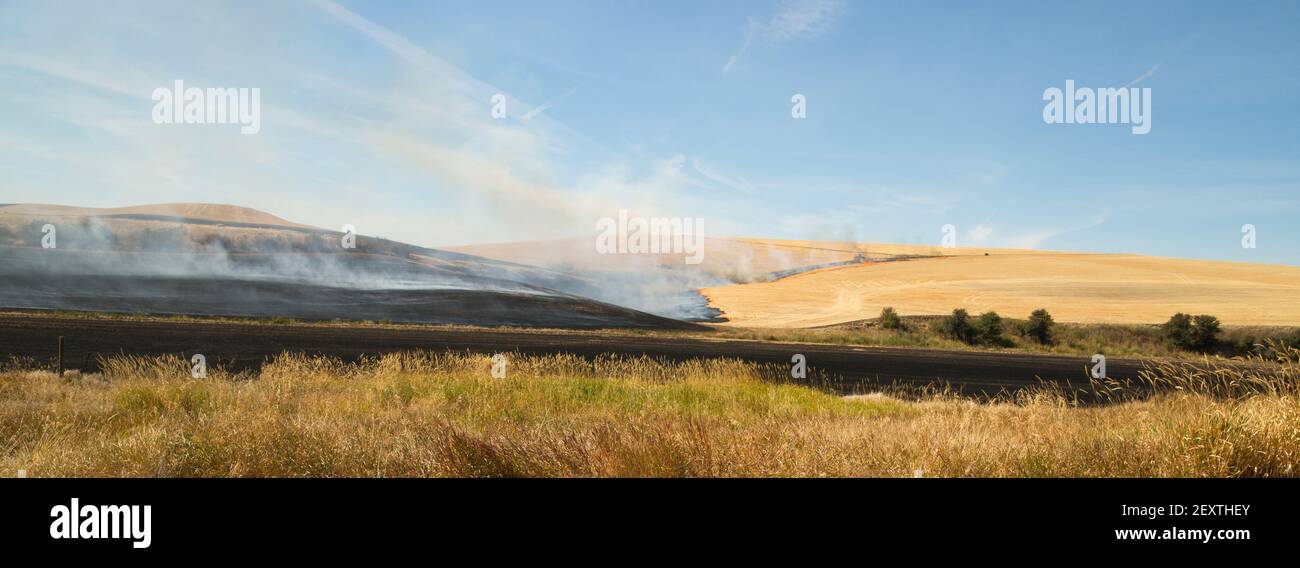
986,329
1199,333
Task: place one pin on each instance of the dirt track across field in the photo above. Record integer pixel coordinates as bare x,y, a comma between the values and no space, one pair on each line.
247,345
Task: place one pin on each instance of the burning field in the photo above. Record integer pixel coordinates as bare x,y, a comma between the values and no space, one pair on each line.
228,261
201,259
697,383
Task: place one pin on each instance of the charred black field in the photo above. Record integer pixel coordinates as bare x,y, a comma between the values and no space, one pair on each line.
244,346
53,258
208,296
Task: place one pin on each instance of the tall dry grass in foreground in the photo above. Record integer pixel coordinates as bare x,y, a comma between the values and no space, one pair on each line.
437,414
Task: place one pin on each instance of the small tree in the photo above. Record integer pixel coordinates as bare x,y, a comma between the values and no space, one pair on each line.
1039,326
1178,330
988,329
957,326
1188,332
1293,341
1205,332
889,319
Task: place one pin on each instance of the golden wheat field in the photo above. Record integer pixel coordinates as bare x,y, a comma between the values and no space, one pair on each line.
913,279
929,280
440,414
1074,287
724,256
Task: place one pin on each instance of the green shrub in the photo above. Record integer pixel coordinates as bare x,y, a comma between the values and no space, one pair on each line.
400,392
988,329
889,319
1187,332
195,399
957,326
1039,326
1205,332
138,401
1178,330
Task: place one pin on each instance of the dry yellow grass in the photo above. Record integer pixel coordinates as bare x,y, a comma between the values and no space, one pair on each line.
426,414
1082,288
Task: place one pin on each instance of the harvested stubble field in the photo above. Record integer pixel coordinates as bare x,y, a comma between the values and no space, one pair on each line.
442,414
920,280
1074,287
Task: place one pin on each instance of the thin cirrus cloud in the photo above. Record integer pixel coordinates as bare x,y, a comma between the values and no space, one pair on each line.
1177,51
423,141
379,115
509,168
735,183
797,19
980,233
1036,238
539,109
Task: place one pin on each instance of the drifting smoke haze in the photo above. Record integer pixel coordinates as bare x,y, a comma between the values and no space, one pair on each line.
416,157
142,264
91,246
412,153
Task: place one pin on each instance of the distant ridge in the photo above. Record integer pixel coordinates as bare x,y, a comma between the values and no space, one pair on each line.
211,212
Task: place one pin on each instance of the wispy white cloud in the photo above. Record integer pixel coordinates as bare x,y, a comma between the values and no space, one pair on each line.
1178,50
751,29
403,48
797,19
979,233
874,215
71,71
386,156
978,171
539,109
727,181
1035,238
1148,74
804,18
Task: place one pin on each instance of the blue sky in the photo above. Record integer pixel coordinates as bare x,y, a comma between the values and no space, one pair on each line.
919,114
